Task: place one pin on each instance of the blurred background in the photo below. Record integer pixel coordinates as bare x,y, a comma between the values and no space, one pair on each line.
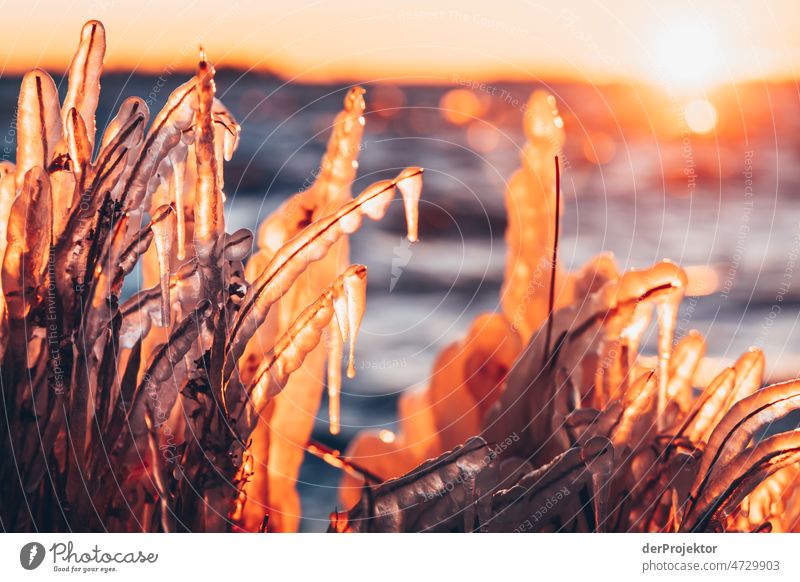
683,141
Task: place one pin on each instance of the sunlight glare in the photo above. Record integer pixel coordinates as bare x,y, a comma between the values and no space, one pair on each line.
688,55
700,116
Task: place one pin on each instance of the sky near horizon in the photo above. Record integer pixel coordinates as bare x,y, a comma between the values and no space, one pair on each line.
688,44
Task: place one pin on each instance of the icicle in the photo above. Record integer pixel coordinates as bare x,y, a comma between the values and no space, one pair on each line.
339,331
335,345
354,282
632,332
409,182
226,137
664,283
667,317
84,76
163,229
178,158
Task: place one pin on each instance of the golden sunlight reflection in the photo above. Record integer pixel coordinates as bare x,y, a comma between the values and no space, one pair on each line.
700,116
460,106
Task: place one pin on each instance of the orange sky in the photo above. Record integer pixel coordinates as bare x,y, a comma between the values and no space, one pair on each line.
668,42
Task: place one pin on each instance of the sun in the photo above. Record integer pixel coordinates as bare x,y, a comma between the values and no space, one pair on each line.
688,56
700,116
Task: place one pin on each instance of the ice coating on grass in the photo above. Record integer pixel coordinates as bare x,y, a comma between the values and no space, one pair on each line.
310,245
28,243
299,340
663,284
112,354
209,221
39,126
85,69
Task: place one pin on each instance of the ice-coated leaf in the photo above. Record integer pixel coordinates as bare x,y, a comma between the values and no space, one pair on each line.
129,257
38,123
434,497
726,490
124,137
684,363
209,223
177,116
551,493
701,419
102,282
740,424
29,235
238,245
79,146
227,128
8,192
639,412
159,474
158,389
84,76
749,376
140,312
133,112
583,424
